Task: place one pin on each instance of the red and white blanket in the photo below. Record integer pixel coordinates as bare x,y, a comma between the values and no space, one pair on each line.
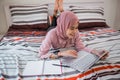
17,50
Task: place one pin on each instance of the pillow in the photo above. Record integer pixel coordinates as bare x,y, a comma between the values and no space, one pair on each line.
29,16
89,16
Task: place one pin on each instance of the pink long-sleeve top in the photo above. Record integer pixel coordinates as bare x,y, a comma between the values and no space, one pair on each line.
56,38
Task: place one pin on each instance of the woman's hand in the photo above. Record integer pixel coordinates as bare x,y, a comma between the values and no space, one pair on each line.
53,56
68,53
106,55
100,52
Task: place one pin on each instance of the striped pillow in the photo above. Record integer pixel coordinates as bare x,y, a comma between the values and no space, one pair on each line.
89,16
29,16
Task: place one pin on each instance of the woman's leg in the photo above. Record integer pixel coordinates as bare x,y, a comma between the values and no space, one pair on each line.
61,5
56,5
54,17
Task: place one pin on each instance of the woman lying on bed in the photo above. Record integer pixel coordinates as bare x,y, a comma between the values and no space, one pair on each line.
65,35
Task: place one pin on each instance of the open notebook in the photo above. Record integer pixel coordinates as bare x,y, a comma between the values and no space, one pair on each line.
42,67
83,62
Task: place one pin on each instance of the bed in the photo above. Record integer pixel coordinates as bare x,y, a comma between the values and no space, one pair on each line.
21,43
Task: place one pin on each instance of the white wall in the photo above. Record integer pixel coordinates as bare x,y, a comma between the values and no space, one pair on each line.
117,17
110,10
3,23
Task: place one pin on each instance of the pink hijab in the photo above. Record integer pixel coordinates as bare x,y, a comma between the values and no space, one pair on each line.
65,21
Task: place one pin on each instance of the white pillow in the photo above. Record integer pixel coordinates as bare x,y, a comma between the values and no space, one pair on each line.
89,16
29,16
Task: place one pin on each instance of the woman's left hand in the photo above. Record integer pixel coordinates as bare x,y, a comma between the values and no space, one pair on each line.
100,52
106,54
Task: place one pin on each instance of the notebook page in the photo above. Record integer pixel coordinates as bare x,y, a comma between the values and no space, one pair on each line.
49,68
33,68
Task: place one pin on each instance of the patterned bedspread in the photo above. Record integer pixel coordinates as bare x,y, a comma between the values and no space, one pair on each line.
16,51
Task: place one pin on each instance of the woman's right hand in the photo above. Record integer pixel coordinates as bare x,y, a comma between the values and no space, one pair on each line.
68,53
53,56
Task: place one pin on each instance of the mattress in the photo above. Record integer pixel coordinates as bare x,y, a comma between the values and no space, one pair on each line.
18,48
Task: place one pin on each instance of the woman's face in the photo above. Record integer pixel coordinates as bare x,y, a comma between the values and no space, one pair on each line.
72,30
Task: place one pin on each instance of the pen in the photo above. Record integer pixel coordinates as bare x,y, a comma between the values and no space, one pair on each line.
60,65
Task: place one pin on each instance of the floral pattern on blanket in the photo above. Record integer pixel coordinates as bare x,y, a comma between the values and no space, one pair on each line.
16,51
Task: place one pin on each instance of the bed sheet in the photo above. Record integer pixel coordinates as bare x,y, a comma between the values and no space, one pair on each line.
16,51
25,32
